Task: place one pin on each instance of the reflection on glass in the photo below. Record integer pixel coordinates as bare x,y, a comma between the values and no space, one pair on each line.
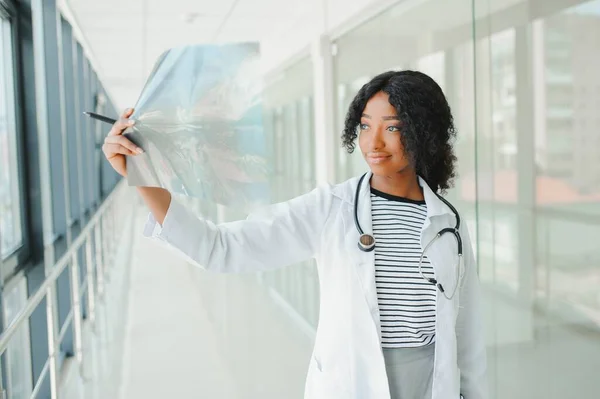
290,128
538,199
568,173
292,293
10,221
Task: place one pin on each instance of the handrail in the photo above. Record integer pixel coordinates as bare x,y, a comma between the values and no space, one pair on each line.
36,299
39,384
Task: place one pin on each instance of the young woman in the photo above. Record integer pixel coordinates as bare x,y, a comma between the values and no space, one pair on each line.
400,303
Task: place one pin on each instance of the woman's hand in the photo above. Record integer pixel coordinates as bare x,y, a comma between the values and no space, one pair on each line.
116,146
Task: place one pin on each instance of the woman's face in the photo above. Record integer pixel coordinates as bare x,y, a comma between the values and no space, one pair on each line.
379,137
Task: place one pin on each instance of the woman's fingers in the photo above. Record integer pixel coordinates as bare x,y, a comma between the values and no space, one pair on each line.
122,124
116,147
110,150
124,142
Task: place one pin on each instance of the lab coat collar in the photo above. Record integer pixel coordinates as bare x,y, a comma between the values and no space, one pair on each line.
346,192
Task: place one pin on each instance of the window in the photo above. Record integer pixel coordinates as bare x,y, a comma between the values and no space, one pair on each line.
11,237
18,353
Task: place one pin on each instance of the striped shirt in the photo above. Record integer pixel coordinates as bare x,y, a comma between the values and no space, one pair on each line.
406,300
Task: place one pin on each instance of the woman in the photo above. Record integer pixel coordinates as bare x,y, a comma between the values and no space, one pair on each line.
393,323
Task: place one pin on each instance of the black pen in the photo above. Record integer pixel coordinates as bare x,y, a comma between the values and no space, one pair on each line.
101,117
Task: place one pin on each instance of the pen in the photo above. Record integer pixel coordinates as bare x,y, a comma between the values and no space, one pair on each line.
100,117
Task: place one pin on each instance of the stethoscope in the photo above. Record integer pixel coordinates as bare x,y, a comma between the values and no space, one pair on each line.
366,242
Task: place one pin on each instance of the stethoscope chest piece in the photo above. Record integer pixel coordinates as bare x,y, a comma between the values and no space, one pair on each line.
366,242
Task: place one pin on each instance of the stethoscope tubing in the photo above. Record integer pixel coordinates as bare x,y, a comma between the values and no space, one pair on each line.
367,242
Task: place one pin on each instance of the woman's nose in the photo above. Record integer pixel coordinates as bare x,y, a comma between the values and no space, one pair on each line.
377,139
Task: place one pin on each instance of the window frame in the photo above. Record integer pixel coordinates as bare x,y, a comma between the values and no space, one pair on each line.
14,262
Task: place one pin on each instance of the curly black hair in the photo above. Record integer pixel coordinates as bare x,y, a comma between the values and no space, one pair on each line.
427,123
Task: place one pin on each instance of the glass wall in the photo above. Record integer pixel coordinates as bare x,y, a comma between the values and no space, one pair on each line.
41,170
289,131
268,319
17,357
540,202
289,123
522,80
10,207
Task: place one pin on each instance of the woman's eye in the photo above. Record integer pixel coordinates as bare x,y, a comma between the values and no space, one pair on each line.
393,128
363,126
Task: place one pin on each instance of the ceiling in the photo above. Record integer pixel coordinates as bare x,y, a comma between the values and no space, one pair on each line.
125,37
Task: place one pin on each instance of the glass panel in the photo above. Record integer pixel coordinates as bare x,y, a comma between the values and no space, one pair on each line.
84,133
236,303
538,192
10,212
71,102
18,356
525,97
288,106
434,38
290,127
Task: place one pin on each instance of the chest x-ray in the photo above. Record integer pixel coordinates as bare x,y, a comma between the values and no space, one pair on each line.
199,121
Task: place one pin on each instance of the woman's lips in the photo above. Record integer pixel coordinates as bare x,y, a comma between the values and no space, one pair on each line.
378,158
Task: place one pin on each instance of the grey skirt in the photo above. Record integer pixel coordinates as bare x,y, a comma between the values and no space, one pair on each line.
410,371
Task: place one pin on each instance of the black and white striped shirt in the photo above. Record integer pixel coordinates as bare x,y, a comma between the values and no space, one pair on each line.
406,300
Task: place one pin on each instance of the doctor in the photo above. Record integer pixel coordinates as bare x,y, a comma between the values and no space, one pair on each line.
400,310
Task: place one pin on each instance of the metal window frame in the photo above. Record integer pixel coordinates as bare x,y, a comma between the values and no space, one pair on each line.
70,126
90,132
83,126
11,264
38,10
63,128
78,115
7,49
103,230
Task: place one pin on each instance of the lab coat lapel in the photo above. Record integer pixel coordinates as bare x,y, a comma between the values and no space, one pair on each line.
438,214
363,262
442,254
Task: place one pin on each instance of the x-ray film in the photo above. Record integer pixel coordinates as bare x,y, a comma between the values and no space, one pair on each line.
199,121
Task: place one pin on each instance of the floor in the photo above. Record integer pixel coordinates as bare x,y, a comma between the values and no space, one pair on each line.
167,329
192,334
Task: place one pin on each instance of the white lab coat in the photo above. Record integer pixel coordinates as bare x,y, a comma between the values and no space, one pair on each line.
347,360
